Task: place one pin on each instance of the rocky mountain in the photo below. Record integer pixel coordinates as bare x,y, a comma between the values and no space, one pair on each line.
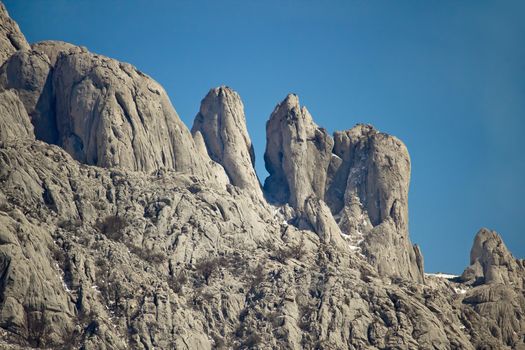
121,229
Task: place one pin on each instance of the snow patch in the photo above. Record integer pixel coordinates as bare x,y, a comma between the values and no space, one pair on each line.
460,290
441,275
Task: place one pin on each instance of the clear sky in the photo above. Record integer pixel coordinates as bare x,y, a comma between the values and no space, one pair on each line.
446,77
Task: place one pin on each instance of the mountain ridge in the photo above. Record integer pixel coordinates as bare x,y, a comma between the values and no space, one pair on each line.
120,228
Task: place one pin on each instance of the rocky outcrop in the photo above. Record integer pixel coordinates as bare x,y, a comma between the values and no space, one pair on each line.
367,186
101,111
363,176
133,260
11,39
109,114
28,73
222,125
491,262
14,121
97,255
493,309
297,155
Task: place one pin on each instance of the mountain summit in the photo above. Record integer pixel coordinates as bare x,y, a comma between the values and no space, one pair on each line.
121,229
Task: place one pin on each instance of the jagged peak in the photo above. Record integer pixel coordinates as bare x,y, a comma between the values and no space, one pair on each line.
222,123
484,241
491,261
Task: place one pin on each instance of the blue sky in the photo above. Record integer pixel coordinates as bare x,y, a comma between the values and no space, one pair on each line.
446,77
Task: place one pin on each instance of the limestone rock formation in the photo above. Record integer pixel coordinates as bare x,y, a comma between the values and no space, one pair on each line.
363,176
297,154
11,39
14,121
52,49
494,308
182,255
222,126
491,262
101,111
110,114
368,187
28,73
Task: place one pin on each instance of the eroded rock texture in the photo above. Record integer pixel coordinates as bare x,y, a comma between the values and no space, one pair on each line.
101,111
297,154
117,230
222,125
27,73
11,39
14,121
368,187
110,114
362,175
491,262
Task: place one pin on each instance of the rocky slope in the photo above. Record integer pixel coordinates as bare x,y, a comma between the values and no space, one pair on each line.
119,230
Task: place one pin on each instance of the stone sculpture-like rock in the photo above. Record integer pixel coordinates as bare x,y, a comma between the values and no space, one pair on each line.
222,125
110,114
491,262
297,155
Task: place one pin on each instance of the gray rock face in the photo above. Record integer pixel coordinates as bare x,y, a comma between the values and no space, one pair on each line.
363,176
14,121
180,258
101,111
297,154
495,306
109,114
368,187
375,167
52,49
133,260
491,262
11,39
28,73
222,125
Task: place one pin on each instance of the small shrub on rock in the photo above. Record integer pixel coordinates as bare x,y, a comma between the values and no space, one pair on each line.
112,227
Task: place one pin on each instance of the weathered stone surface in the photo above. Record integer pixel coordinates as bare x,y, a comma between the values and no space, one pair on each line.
110,114
364,182
491,262
53,48
222,126
297,155
34,301
28,73
101,111
163,260
375,167
99,258
321,221
367,187
14,121
11,39
493,309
